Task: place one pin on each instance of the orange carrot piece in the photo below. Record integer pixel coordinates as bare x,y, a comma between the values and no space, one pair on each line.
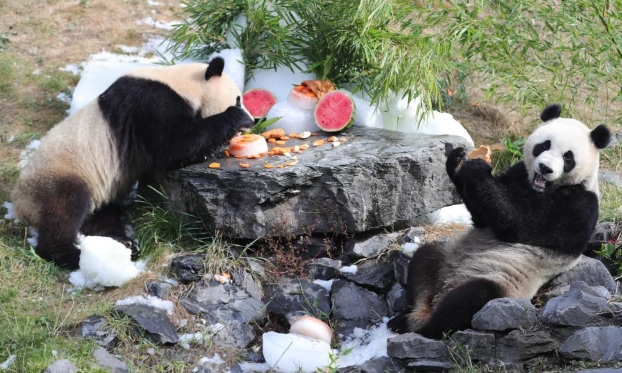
244,165
214,165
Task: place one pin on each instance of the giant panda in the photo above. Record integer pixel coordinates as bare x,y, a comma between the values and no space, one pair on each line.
149,120
530,224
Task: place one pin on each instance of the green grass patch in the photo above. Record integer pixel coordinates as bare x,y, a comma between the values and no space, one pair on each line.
610,202
7,76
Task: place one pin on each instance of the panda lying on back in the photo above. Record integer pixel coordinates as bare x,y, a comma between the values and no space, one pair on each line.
149,120
530,224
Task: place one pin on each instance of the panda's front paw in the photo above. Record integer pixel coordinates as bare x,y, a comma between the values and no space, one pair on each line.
477,167
238,119
454,162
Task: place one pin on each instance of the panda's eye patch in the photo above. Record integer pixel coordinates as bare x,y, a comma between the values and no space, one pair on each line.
569,162
541,147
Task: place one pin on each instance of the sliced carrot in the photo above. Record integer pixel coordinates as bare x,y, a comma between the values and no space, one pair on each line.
214,165
268,165
304,146
280,142
280,166
274,133
226,153
332,138
244,165
271,141
318,142
284,138
239,156
293,135
343,139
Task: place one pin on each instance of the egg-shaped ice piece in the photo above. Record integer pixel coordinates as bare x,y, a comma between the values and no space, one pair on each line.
312,327
291,353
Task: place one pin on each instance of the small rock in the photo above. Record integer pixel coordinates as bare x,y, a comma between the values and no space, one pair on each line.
600,344
377,365
577,307
415,346
107,360
396,299
411,235
521,346
504,314
94,327
297,296
61,366
322,268
373,246
430,366
188,268
374,275
354,306
153,321
159,289
400,266
234,335
473,345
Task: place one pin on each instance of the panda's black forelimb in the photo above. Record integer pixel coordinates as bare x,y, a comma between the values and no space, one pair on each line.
153,124
561,219
455,160
456,309
110,221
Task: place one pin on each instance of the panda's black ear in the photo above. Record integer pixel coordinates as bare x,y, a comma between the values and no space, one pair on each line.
215,68
551,112
600,136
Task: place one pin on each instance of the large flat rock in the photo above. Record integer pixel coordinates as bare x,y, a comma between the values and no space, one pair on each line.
376,179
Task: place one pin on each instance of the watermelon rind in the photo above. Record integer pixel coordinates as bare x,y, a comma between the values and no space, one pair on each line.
258,101
335,111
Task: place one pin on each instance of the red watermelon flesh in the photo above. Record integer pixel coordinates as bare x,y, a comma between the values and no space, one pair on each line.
335,111
258,102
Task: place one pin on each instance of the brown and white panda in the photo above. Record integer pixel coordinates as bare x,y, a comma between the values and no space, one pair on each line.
149,120
530,224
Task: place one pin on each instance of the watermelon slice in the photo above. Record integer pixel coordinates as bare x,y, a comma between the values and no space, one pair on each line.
334,111
258,102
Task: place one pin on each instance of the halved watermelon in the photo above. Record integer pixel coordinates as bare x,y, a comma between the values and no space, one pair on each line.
334,111
258,101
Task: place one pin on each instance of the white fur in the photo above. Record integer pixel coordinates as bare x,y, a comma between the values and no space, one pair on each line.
565,134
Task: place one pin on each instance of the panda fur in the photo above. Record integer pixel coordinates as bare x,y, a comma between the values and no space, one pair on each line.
150,120
530,224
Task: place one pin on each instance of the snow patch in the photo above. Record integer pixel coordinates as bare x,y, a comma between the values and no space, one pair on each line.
10,213
364,344
157,24
8,362
148,300
24,155
326,284
349,269
450,214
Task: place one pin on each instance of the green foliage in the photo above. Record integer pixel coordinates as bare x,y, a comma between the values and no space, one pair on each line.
531,53
262,124
613,252
346,41
510,154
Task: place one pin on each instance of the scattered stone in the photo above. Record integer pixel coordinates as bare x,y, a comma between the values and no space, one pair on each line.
473,345
322,268
234,335
377,365
400,266
430,366
153,321
61,366
579,306
374,275
396,299
599,344
223,303
159,289
108,360
504,314
521,346
589,270
610,177
95,327
354,307
292,296
604,231
249,283
188,268
379,179
416,346
373,246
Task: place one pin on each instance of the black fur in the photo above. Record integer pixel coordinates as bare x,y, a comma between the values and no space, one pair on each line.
569,162
600,136
66,202
561,218
541,148
153,124
215,68
154,129
552,111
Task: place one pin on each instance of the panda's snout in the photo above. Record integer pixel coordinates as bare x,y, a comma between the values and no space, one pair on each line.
544,169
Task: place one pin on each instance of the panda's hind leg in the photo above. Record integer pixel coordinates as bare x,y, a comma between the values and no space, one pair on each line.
110,221
422,285
63,205
456,309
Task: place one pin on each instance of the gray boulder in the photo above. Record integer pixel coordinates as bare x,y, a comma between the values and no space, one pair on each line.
579,306
371,247
504,314
473,345
589,270
374,275
95,327
377,179
322,268
601,344
354,307
377,365
108,360
521,346
416,346
291,296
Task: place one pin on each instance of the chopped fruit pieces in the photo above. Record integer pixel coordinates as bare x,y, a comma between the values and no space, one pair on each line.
214,165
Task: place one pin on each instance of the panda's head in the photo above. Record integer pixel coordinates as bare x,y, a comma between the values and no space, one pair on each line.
205,87
563,151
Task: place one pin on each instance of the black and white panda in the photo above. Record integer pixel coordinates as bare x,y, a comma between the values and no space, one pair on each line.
530,224
149,120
